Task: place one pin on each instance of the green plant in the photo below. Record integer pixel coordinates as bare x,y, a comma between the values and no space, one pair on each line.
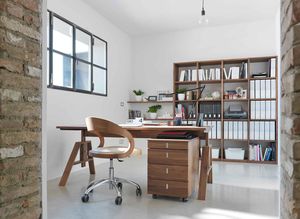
181,90
154,108
138,92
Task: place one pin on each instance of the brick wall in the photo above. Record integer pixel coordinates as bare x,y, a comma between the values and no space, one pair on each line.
290,108
20,108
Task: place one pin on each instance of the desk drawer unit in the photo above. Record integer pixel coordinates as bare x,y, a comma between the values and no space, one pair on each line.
172,166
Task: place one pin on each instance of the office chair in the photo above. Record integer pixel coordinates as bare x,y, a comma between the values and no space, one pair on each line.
100,128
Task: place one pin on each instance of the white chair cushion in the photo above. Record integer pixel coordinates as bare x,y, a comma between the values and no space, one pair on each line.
116,150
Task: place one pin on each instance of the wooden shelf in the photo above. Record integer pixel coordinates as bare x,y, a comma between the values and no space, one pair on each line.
209,100
210,82
266,78
235,119
235,80
227,84
185,101
166,119
263,99
235,100
185,82
149,102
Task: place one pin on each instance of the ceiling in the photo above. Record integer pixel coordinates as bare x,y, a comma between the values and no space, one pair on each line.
140,17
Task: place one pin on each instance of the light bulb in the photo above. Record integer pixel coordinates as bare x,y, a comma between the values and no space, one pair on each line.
203,18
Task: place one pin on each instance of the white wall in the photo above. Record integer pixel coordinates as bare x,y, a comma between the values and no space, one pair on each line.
71,108
154,55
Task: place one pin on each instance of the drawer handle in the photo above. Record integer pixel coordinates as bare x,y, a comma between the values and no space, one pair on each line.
167,170
167,155
167,186
167,145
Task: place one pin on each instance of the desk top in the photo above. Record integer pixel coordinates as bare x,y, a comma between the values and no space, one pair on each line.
146,131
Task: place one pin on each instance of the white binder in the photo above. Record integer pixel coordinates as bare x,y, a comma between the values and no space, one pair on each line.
225,130
245,130
273,109
252,90
230,130
273,88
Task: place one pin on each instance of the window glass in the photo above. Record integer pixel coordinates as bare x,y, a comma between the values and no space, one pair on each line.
83,76
62,70
83,45
99,80
62,36
99,55
48,28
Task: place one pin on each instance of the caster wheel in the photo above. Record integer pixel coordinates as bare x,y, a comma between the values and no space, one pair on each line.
184,199
138,192
120,186
85,198
118,200
154,196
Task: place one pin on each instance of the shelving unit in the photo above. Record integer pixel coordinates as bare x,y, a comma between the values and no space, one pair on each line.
253,65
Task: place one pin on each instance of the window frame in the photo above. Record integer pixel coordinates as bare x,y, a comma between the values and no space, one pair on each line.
74,58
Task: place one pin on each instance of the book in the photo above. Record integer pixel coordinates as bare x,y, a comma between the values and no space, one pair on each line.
182,74
235,72
218,74
273,67
194,75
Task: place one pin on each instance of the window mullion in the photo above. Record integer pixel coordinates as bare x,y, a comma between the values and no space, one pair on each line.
74,57
50,49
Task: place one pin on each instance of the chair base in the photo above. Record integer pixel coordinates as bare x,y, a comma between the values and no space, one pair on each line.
114,182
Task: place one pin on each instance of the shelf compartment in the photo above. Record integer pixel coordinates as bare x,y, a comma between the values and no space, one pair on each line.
185,101
243,120
209,100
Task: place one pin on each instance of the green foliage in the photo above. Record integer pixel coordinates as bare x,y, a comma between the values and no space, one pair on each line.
138,92
181,90
154,108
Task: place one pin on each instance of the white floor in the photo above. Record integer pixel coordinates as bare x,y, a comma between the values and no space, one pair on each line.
239,191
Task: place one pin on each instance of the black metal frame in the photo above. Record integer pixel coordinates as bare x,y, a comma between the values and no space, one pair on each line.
74,57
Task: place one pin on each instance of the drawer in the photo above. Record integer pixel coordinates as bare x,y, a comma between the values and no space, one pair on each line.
168,188
169,144
165,172
169,157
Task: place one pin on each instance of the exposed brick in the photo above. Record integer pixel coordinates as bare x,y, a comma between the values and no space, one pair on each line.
16,138
11,95
19,27
11,152
32,5
32,20
11,65
11,124
291,58
34,72
15,10
20,109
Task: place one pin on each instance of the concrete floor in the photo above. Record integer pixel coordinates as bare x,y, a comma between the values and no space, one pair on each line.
239,191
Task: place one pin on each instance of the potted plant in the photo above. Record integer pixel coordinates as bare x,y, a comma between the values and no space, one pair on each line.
181,93
153,111
138,95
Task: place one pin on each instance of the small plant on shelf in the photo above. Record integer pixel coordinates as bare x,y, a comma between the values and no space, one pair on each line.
152,110
181,93
138,95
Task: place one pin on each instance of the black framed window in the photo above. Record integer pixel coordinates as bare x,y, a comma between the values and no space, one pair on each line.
77,59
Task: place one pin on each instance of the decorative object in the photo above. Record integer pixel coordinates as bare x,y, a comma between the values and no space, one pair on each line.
152,110
203,18
189,95
138,95
152,98
216,95
181,93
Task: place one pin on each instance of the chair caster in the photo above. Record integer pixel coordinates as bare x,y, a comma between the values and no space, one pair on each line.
138,192
154,196
85,198
118,200
184,199
120,186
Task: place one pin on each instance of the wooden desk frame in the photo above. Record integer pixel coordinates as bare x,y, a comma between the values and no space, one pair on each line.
83,146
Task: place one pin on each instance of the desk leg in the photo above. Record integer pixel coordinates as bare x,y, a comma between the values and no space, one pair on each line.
203,173
70,163
210,175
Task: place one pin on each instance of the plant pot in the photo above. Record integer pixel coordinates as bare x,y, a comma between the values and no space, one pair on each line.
181,96
139,98
152,115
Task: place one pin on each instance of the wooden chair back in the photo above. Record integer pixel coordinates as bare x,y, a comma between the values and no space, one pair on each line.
101,127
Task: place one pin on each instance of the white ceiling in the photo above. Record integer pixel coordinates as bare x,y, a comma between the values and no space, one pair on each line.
139,17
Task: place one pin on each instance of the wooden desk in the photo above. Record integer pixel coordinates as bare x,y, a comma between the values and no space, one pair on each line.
140,132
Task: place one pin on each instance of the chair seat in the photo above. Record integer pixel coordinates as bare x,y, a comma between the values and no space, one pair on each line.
97,152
